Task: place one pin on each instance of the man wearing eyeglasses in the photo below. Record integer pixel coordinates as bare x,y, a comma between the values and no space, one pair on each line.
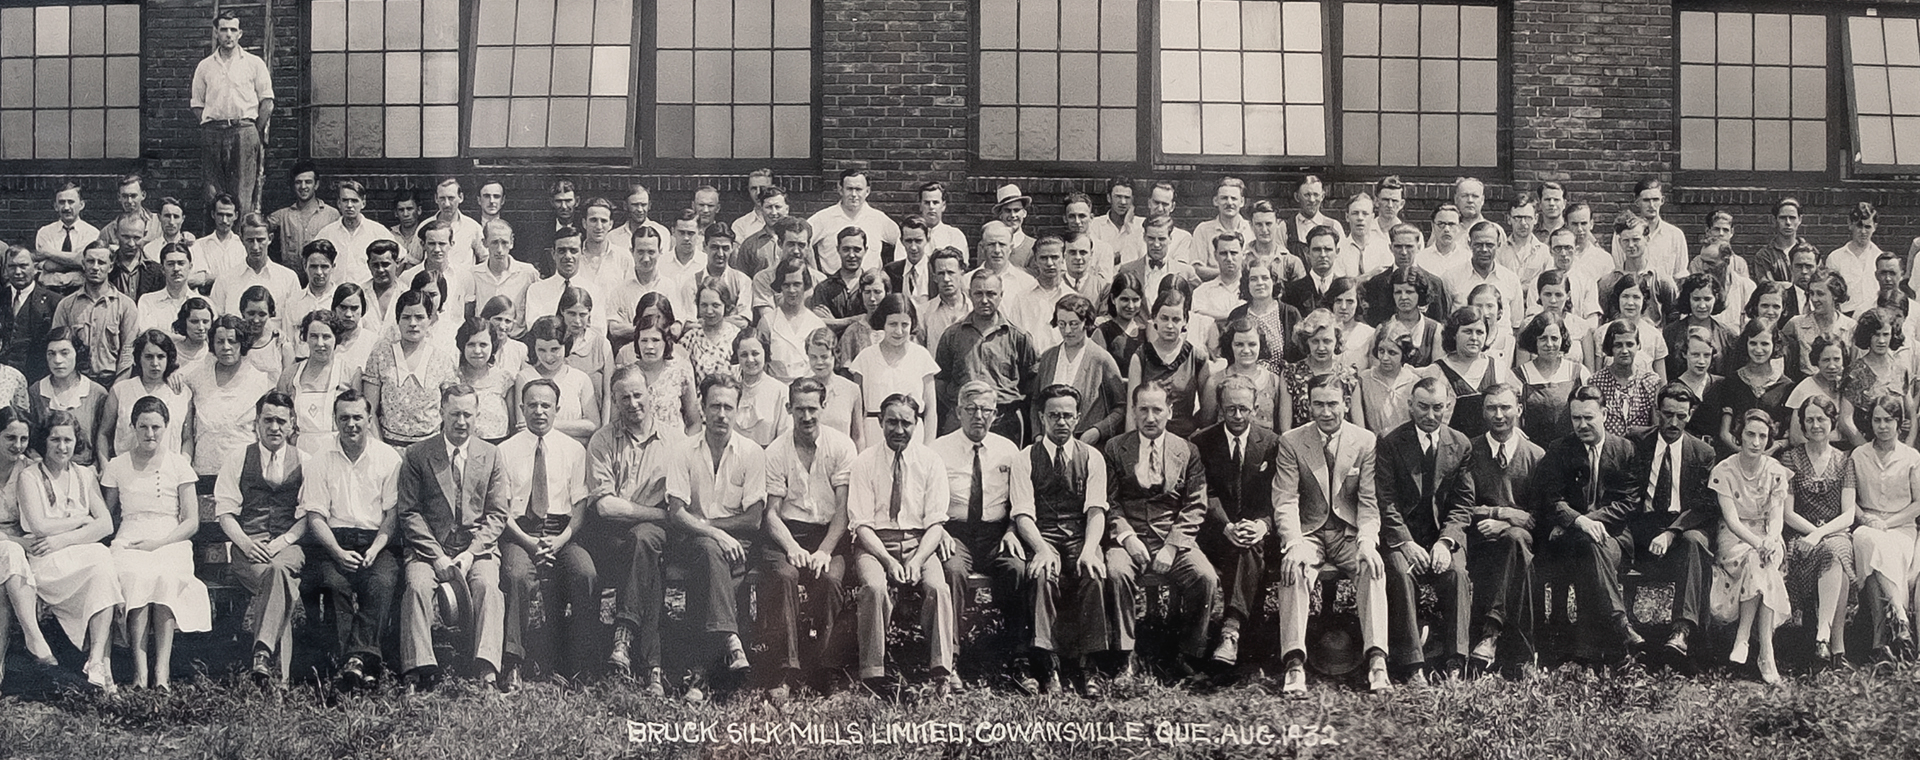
979,486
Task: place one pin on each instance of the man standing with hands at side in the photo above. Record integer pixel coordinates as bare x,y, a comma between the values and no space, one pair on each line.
233,103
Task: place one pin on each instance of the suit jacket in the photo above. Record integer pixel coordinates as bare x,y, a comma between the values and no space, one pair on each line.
1103,389
1306,493
1699,505
1180,269
1170,512
433,524
897,275
29,353
135,284
1303,294
1509,494
1566,473
1244,492
1407,511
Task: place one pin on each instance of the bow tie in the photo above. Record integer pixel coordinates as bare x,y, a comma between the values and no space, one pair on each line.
1152,265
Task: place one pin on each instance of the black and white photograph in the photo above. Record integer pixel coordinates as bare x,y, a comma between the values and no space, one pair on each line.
959,378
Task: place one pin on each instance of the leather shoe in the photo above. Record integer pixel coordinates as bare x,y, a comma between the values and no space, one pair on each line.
1417,676
1228,652
655,685
736,654
1090,689
354,673
1486,651
1677,643
1377,680
1052,683
1628,636
946,686
779,694
262,670
1294,682
1822,652
510,679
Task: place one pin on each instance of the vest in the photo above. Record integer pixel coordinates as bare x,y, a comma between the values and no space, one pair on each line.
1059,499
266,508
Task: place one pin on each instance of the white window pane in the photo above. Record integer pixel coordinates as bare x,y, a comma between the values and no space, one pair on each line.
1902,85
440,131
1305,83
567,123
123,38
1809,146
1906,140
532,74
712,28
88,135
1220,130
1439,85
50,137
1735,38
1039,79
1736,144
1479,32
1180,127
1117,133
1306,130
1809,40
1479,86
1260,26
1439,31
712,78
1399,84
1180,75
1736,91
1876,140
1903,42
1263,82
1439,140
611,66
1864,36
1809,93
1079,33
403,24
1119,79
1360,28
614,23
1772,39
489,123
999,131
753,77
50,36
1696,143
1479,140
793,24
792,131
123,83
329,27
527,123
1359,138
793,77
1079,134
1080,81
403,132
673,131
1772,92
575,22
674,79
1301,26
493,71
1266,130
16,35
1772,146
1119,27
673,23
571,67
403,78
89,86
1696,37
440,29
752,131
533,25
123,133
1179,24
1220,24
1870,90
607,123
1220,77
1039,25
999,35
366,25
1039,134
440,78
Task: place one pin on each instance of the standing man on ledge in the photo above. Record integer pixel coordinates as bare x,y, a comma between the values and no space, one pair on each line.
233,102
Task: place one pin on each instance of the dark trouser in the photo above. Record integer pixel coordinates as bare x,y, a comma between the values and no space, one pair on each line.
1596,568
362,600
1070,616
780,584
713,581
1403,609
976,546
630,556
572,581
232,156
1877,612
1242,573
1502,572
1191,573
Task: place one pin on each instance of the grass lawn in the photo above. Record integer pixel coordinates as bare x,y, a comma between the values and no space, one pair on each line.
1571,712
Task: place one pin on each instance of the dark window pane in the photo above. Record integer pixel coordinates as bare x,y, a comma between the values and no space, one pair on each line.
16,34
1772,43
567,123
753,25
713,24
365,78
16,70
366,131
89,29
1119,26
123,34
792,131
1772,146
403,77
1119,79
533,25
613,23
1118,134
50,137
1399,139
89,83
1906,139
123,133
1479,140
1809,93
526,122
1439,31
1876,139
1439,139
752,77
1361,32
1772,92
607,123
1360,140
571,65
574,22
366,25
1080,81
1736,144
493,71
1696,90
712,76
51,85
1809,146
1696,144
489,123
329,132
673,131
403,24
123,82
532,73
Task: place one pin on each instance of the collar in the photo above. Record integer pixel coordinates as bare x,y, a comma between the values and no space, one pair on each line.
627,431
1051,450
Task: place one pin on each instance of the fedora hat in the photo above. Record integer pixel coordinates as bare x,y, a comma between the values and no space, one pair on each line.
1008,194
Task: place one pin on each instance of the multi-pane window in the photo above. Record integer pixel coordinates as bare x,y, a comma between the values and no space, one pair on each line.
552,74
70,81
385,78
1059,80
1753,91
1242,78
1420,85
1884,54
734,79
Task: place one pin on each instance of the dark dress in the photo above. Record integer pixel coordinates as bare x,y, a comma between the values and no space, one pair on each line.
1181,375
1469,397
1816,497
1737,396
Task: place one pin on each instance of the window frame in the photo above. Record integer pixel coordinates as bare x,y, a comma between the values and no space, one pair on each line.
1850,115
639,154
1150,158
102,164
1839,112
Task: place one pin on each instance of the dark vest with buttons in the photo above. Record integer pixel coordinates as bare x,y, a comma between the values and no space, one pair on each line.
266,508
1059,498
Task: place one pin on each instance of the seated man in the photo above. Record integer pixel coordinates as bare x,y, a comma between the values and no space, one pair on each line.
1426,500
1239,458
627,479
1591,486
716,494
1060,513
349,507
1157,486
897,506
979,484
1500,560
1672,533
1327,513
806,531
546,482
256,497
452,502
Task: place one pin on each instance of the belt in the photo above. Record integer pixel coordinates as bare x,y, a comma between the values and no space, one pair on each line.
226,123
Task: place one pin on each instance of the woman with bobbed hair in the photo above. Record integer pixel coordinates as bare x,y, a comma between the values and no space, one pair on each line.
1753,488
66,519
1820,525
1467,369
895,365
1078,361
1547,379
1887,484
22,600
1826,290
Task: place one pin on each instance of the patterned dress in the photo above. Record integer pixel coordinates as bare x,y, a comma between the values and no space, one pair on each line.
1629,402
1816,497
709,354
1755,496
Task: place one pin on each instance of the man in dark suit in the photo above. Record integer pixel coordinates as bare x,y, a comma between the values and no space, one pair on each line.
1500,546
911,274
1590,485
452,506
1671,536
1377,292
1306,293
1326,512
1426,493
1060,513
1157,489
28,315
1239,526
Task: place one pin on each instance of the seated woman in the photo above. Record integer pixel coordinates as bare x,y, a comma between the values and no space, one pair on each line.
151,488
708,342
65,520
1820,558
65,389
16,572
493,381
1887,481
578,410
267,349
156,372
1828,381
1752,488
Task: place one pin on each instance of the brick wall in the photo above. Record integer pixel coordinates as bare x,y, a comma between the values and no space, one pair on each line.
1592,90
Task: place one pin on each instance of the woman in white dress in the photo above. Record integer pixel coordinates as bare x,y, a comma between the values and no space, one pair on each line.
224,392
156,373
843,411
16,572
65,520
151,488
267,347
1753,491
1887,484
762,414
896,365
578,414
313,382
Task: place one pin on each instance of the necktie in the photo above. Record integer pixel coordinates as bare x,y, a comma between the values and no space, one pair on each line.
1060,460
66,244
1593,476
1328,451
1153,464
976,495
1236,454
1663,485
459,463
913,281
1429,463
899,476
537,498
1500,456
